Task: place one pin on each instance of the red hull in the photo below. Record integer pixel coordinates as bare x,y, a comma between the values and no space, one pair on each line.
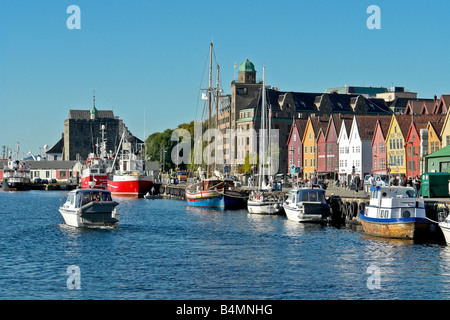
129,186
101,182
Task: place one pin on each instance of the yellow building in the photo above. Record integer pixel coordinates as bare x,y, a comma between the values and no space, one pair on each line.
395,143
313,127
434,136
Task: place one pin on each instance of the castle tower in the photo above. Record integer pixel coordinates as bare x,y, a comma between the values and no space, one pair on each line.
247,72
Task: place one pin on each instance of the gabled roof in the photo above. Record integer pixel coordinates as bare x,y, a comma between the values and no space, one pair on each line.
300,124
442,105
416,106
367,125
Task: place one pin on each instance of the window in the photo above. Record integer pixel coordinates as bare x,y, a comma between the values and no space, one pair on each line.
306,163
306,149
295,137
375,165
375,148
382,147
299,150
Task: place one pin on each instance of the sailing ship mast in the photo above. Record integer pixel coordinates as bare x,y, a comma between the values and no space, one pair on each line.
209,103
262,160
217,117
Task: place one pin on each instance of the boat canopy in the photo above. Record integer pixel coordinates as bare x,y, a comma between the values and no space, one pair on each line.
81,197
313,195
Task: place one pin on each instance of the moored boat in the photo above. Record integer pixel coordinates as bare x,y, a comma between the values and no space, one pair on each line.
16,175
307,205
395,212
130,179
90,208
215,193
265,202
95,172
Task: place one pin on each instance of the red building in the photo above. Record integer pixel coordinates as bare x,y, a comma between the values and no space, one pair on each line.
379,163
413,141
328,150
295,146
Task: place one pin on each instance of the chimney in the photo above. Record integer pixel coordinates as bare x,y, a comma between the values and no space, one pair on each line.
435,98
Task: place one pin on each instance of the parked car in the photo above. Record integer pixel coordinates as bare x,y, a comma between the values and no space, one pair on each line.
37,180
380,180
44,181
53,181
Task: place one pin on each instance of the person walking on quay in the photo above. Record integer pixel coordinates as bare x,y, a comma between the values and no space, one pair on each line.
357,183
417,184
371,183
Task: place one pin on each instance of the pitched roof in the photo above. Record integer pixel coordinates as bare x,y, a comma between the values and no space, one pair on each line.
440,153
58,147
367,125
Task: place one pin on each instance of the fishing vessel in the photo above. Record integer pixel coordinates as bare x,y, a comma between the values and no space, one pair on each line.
307,205
90,208
445,227
95,172
129,178
16,175
263,200
394,212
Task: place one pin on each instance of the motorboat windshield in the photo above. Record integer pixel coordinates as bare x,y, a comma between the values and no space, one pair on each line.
307,195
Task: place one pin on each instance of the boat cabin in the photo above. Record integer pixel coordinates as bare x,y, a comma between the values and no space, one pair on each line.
80,197
307,195
394,202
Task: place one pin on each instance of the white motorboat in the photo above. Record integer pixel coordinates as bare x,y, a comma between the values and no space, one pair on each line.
90,208
307,205
394,212
445,227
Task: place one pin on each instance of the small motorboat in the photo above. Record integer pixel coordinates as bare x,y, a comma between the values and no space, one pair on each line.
395,212
307,205
90,208
152,196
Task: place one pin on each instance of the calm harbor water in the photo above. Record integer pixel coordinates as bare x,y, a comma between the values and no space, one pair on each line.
166,250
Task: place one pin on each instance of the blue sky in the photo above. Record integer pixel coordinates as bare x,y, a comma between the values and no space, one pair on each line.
148,57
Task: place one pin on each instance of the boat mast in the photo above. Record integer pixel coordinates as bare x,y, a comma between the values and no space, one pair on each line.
209,103
217,117
262,159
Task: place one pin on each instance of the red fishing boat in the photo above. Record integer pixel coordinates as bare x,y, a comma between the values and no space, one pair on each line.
95,172
130,178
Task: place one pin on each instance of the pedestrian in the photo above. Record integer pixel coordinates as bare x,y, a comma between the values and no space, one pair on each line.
417,185
357,181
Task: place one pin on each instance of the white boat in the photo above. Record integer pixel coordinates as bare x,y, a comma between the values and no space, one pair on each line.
307,205
263,200
445,227
395,212
16,175
90,208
